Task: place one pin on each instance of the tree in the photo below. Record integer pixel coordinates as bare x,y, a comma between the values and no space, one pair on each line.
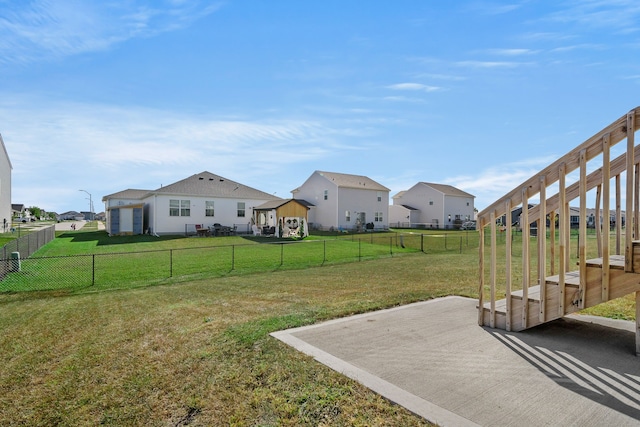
35,211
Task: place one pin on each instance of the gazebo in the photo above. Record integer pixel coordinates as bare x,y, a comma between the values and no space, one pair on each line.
288,217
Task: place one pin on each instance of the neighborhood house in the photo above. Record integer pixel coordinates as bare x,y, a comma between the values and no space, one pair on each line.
429,205
341,201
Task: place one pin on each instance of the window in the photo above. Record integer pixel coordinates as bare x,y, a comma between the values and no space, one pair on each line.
430,202
174,207
378,217
185,207
179,207
326,194
347,216
240,209
379,196
208,208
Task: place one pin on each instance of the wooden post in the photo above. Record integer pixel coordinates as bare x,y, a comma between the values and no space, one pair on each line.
542,248
481,274
552,241
582,232
618,217
492,268
507,208
524,223
597,223
606,190
634,218
637,323
564,222
628,244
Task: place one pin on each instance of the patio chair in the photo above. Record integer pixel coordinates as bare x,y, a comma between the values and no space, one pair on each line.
256,230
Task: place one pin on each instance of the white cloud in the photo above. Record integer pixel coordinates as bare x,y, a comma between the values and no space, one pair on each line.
32,31
108,149
414,87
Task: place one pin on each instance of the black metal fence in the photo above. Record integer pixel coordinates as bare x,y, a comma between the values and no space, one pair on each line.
135,269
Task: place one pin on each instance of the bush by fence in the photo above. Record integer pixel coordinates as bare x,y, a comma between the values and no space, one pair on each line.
132,269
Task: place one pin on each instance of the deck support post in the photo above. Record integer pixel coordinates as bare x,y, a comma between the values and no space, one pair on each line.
564,223
637,323
542,248
628,244
582,230
524,224
507,207
606,194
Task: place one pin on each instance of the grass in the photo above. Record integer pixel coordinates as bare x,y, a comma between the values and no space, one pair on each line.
92,260
199,352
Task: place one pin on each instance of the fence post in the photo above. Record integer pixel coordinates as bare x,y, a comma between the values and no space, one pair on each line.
281,254
422,242
460,244
324,254
445,241
233,257
93,269
170,262
391,245
359,250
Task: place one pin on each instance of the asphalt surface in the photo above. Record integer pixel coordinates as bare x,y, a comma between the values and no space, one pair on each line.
433,358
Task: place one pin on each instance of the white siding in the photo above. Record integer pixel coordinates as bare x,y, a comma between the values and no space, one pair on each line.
5,190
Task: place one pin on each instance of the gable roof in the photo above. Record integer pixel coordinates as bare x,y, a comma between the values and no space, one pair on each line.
343,180
211,185
127,194
447,190
275,204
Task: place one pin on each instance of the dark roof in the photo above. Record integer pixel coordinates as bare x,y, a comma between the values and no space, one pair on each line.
275,204
208,184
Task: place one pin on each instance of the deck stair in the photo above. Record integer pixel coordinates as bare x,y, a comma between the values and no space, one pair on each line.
544,287
621,283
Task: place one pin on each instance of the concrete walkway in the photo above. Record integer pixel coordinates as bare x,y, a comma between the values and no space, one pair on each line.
434,359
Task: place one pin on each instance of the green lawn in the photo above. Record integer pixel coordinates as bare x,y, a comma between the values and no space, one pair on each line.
198,351
91,260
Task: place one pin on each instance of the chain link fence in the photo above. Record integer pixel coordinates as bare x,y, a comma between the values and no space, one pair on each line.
136,269
23,247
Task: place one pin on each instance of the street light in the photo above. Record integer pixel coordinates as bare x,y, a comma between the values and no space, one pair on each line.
90,205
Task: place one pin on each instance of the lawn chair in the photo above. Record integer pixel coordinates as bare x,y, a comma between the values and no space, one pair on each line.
256,230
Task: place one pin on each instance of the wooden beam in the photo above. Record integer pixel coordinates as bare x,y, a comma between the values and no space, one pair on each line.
525,225
508,236
618,216
481,275
635,218
628,245
563,255
606,194
593,180
596,219
582,231
492,269
591,147
542,248
637,323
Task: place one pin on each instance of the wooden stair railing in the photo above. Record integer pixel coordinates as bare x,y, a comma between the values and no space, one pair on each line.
550,283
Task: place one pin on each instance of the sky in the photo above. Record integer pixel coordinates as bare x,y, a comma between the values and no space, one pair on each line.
101,96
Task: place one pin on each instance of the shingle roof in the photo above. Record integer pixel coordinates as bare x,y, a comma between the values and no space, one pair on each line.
352,181
274,204
127,194
447,189
208,184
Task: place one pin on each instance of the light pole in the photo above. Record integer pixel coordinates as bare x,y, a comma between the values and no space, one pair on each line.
90,205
